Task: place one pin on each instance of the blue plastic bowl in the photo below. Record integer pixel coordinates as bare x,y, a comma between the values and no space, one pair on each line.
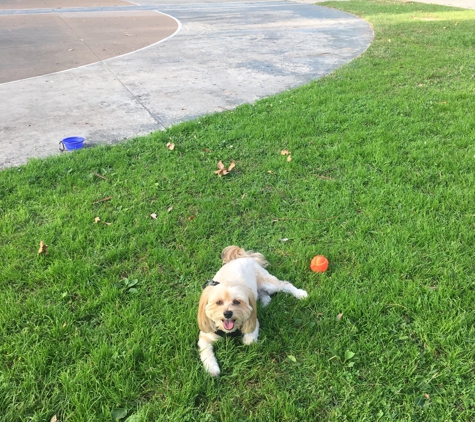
71,143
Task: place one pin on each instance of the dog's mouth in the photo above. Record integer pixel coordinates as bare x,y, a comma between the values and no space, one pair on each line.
228,324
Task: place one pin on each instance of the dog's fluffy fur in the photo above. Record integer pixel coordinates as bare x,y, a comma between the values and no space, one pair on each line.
231,305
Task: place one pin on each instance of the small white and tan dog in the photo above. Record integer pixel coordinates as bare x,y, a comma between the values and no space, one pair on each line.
228,302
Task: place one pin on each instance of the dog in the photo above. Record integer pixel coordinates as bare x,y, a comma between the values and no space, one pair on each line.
228,303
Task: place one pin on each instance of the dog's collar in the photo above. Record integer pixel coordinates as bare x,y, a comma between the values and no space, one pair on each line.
210,283
222,333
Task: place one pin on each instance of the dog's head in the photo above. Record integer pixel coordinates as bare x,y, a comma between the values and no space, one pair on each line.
227,308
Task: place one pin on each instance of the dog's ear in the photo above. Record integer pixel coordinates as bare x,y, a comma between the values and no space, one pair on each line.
251,323
205,324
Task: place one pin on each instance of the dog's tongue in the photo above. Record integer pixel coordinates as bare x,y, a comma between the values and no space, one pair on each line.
228,325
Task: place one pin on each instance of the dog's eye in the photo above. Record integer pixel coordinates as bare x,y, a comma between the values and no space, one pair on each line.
219,302
236,302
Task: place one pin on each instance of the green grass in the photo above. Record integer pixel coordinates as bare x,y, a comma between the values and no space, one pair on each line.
381,182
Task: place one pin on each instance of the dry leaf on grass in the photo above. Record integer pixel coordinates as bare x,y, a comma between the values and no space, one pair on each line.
222,170
170,146
98,220
170,208
191,217
99,175
153,215
102,200
339,316
284,152
54,419
43,248
289,158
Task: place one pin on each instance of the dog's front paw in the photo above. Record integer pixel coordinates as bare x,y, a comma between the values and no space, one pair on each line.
213,370
248,339
301,294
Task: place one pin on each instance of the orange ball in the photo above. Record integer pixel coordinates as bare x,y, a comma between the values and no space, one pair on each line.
319,264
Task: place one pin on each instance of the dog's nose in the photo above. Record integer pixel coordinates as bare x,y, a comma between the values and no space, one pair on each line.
228,314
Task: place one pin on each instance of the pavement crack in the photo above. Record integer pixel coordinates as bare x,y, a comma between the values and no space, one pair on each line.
153,115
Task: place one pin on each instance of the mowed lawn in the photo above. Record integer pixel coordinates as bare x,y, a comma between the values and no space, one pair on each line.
380,180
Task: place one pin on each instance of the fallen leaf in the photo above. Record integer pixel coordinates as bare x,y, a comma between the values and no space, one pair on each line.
339,316
153,215
191,217
97,219
284,152
170,146
170,208
289,158
107,224
99,175
54,419
284,239
243,196
270,172
222,170
427,396
102,200
43,248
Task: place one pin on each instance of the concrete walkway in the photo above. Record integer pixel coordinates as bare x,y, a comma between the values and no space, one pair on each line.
224,53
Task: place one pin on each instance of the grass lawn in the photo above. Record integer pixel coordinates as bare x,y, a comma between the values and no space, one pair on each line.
381,181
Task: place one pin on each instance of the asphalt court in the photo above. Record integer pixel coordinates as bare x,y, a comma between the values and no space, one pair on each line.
39,44
54,4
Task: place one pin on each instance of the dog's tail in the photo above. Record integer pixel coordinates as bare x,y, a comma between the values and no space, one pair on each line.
234,252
